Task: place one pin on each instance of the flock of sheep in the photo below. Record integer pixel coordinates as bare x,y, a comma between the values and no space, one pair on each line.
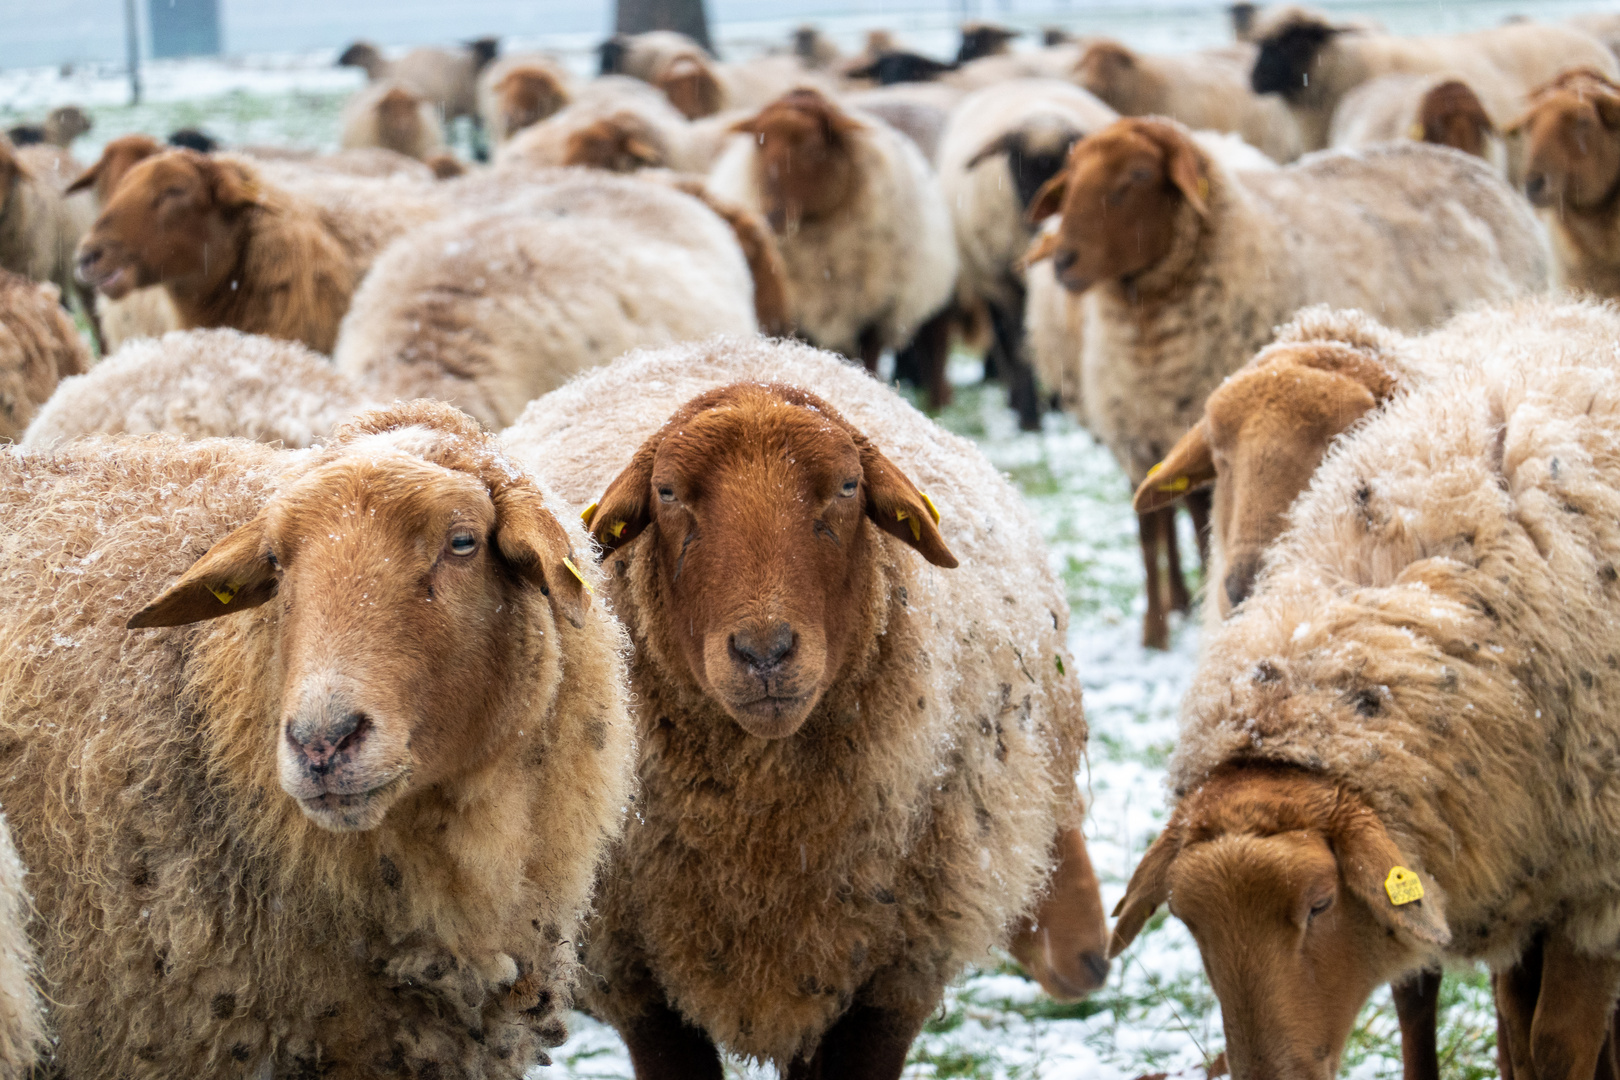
455,598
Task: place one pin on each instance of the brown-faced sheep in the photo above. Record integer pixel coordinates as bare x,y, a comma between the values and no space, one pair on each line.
232,250
615,123
202,384
38,349
854,756
1571,138
516,92
1001,145
1397,750
862,225
351,830
1439,109
494,308
1190,265
390,115
1313,63
39,222
447,78
1206,90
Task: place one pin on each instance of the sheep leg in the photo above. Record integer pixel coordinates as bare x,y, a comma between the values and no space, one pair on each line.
867,1043
1417,1005
1572,1016
1155,624
931,348
665,1047
871,348
1014,367
1516,990
1180,599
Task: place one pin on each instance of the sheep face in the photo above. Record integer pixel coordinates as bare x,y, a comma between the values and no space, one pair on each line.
691,87
11,172
399,121
619,143
1121,195
759,502
1287,56
1108,70
1572,142
1264,432
117,158
526,96
173,218
1281,878
364,55
804,167
401,595
984,39
1451,115
1035,153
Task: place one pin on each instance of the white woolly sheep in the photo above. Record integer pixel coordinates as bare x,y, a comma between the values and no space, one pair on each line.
1001,145
1439,108
518,91
352,830
39,347
390,115
863,228
491,309
1194,267
447,78
884,818
1400,749
202,384
919,111
615,123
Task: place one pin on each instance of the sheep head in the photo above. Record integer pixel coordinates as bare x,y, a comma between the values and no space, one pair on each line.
1121,194
1291,43
117,158
981,39
1571,135
622,143
1451,115
805,165
65,123
1265,431
527,95
406,569
1301,904
1107,69
1064,945
399,121
365,55
174,218
759,504
1036,151
691,86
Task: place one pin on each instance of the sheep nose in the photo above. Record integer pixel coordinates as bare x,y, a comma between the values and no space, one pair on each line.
1240,582
323,738
1063,259
88,257
762,648
1535,186
1097,964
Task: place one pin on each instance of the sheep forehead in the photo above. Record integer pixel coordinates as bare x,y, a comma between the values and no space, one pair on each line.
743,435
378,485
1240,879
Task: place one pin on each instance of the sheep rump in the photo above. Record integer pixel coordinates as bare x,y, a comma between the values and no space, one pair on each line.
942,835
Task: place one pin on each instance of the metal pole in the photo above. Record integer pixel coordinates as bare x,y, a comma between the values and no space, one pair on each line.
132,46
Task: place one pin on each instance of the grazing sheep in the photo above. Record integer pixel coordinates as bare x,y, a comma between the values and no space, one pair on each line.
491,309
39,222
1571,139
232,250
1419,682
516,92
202,384
919,111
1313,63
350,832
1438,109
446,78
38,349
615,123
388,115
1206,90
1001,145
853,764
1196,263
62,126
861,223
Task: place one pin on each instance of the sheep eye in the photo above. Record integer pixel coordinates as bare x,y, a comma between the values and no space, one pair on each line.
463,543
666,494
1321,906
849,488
270,557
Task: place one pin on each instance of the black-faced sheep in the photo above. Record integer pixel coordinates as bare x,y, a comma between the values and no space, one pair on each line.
1188,266
38,349
494,308
860,220
202,384
349,823
1399,749
62,126
858,737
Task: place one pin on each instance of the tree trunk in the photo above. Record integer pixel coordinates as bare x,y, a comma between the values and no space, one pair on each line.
686,16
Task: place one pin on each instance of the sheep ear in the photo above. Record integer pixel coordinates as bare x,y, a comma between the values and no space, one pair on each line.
625,509
1401,897
896,506
1149,887
533,543
1049,199
1608,110
87,179
234,575
1005,143
1190,465
1042,248
1183,170
233,187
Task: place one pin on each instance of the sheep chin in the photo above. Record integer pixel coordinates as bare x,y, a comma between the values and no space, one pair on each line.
357,812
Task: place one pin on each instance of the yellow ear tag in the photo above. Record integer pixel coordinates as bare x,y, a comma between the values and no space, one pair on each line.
617,529
572,569
1155,471
1180,483
225,593
1415,132
932,509
1203,189
1403,886
586,514
916,526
